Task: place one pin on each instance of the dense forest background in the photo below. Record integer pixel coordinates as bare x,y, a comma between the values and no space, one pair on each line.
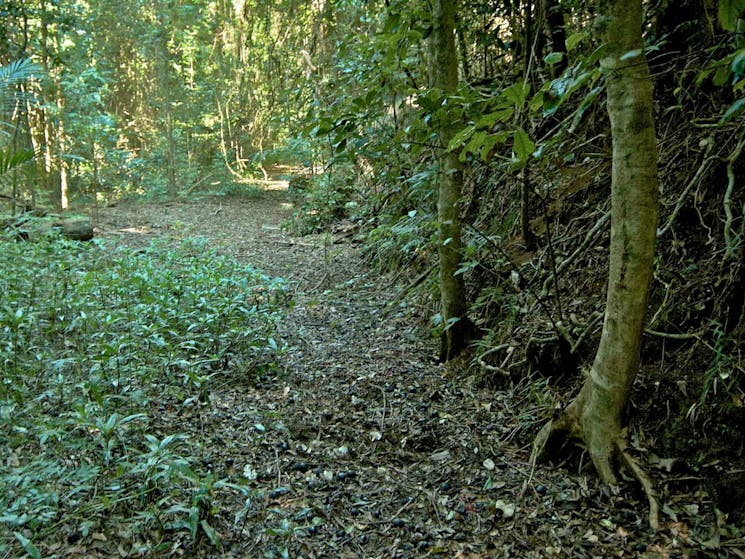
353,102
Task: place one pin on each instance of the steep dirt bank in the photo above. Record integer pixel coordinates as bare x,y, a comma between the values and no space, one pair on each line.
360,445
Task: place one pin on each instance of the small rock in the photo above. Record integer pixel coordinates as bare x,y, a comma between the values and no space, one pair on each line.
278,492
343,476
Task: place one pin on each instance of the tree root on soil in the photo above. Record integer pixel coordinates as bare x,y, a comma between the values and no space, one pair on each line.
567,425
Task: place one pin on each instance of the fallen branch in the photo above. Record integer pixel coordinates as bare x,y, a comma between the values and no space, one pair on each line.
414,283
297,243
590,326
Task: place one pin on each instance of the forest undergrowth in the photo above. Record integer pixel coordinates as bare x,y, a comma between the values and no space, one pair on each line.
179,403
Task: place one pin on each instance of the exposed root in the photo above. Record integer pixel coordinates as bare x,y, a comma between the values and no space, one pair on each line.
640,475
568,426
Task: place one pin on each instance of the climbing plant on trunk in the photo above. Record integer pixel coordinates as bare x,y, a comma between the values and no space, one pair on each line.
595,417
444,77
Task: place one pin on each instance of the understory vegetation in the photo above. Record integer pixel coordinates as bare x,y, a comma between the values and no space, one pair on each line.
97,346
535,148
465,149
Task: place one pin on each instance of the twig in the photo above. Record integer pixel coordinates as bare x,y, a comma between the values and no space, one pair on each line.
671,336
385,405
589,239
668,290
492,368
417,280
679,204
296,243
320,283
590,326
514,266
552,256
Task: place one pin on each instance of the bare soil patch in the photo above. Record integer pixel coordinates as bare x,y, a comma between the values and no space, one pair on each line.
361,445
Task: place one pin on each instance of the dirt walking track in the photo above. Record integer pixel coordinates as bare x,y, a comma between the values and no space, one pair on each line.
361,445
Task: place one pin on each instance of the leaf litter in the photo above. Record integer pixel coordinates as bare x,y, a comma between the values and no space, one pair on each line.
358,444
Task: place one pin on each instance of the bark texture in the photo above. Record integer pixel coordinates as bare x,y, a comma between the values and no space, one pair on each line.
444,76
595,417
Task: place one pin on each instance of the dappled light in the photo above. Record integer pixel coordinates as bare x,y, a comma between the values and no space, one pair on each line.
372,279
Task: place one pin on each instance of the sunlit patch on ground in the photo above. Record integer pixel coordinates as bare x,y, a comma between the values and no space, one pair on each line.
136,230
273,184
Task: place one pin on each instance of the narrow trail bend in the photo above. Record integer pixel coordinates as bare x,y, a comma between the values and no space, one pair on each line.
361,445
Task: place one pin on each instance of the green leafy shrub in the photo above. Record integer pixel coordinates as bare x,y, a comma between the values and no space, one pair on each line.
92,342
322,200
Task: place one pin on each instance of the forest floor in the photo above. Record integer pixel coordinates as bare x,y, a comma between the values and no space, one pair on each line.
360,444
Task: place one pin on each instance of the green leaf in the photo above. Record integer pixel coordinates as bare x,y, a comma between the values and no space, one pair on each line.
212,534
721,76
28,547
536,102
733,110
574,39
10,158
553,58
597,54
392,23
523,146
516,93
477,141
490,142
490,119
631,54
586,104
729,12
738,63
17,72
460,138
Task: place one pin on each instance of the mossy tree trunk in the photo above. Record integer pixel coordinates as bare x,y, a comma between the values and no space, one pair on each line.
444,76
595,416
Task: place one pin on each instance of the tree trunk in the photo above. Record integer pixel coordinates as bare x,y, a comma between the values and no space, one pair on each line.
166,85
554,17
458,328
595,416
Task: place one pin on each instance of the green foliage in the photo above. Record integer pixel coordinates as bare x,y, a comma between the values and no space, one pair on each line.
12,75
324,199
723,373
93,341
407,241
729,12
13,101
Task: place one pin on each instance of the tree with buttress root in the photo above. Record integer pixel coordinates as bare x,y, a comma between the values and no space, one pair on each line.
595,416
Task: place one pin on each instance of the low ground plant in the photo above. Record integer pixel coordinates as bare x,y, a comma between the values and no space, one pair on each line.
96,345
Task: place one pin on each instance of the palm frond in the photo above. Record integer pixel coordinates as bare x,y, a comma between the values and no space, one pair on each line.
12,158
11,75
16,72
